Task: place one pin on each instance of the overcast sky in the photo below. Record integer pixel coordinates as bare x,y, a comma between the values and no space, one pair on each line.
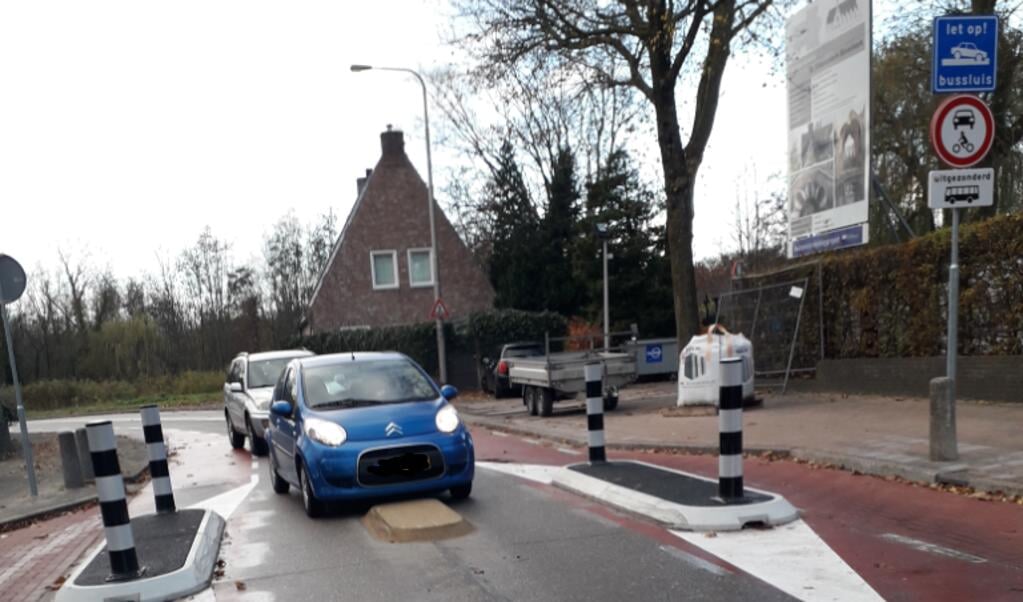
127,127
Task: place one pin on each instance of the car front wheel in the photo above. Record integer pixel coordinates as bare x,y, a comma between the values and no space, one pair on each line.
314,507
462,492
257,445
237,439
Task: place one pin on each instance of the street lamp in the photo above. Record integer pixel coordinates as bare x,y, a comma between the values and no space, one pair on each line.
441,352
603,235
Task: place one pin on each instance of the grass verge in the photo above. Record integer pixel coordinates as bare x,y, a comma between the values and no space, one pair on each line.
190,401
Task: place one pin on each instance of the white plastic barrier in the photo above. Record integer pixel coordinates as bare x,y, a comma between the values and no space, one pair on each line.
699,366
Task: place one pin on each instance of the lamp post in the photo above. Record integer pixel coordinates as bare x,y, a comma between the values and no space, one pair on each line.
602,235
441,351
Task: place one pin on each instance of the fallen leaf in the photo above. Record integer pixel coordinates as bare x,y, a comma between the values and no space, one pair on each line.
240,586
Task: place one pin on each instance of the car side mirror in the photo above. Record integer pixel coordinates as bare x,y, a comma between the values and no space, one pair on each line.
281,408
235,387
448,392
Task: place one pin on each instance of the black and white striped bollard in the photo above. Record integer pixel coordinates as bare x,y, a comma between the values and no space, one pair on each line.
158,469
595,411
730,429
124,563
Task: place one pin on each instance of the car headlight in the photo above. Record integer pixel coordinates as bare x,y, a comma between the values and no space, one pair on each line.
447,419
325,432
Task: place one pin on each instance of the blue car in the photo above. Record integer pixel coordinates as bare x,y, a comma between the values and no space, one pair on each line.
357,426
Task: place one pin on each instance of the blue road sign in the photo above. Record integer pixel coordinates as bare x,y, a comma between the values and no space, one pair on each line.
842,238
654,354
965,54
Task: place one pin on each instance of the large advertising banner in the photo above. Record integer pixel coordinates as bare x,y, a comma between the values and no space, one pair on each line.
828,66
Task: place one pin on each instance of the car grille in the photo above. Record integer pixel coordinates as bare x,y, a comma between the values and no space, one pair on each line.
400,465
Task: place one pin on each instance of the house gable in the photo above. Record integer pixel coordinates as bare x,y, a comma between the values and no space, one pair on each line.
391,214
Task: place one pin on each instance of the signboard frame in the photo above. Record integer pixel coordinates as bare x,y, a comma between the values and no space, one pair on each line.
828,53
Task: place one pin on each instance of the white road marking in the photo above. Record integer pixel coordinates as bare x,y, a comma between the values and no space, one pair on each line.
531,441
931,548
533,472
499,433
696,561
226,503
791,558
570,452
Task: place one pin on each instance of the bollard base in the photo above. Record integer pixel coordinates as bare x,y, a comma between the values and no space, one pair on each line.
677,499
179,549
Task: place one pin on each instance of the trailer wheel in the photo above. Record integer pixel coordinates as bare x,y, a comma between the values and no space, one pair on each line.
546,396
610,402
530,395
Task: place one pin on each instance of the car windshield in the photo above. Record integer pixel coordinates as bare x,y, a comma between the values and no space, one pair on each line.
264,373
361,383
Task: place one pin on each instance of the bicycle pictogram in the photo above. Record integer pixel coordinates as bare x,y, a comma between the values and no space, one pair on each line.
963,144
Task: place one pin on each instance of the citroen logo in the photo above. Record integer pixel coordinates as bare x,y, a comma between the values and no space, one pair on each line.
393,430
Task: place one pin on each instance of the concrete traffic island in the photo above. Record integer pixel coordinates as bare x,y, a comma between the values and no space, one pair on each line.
677,499
177,552
417,520
162,556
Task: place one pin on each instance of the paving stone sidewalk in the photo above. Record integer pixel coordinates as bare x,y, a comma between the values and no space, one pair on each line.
876,435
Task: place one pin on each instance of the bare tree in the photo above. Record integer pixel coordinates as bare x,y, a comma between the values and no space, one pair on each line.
657,40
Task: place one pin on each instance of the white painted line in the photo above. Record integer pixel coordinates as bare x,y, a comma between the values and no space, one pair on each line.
791,558
533,472
570,452
531,441
499,433
695,561
226,503
932,548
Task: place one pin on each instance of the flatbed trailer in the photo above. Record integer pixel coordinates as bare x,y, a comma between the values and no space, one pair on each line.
554,376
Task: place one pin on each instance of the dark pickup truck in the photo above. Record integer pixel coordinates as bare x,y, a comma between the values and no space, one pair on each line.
495,376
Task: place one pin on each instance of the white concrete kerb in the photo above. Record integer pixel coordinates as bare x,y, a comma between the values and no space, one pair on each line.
193,577
773,512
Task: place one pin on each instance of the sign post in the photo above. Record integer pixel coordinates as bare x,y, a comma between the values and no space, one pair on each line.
12,285
965,59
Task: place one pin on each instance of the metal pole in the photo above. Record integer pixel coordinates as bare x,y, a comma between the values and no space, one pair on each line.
795,337
607,305
953,308
441,349
442,359
26,445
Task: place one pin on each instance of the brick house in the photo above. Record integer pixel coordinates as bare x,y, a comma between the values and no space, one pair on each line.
379,273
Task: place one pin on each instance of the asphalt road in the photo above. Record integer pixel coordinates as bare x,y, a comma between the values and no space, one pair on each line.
530,543
535,542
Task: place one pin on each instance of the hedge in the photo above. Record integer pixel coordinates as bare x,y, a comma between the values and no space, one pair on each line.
478,334
892,300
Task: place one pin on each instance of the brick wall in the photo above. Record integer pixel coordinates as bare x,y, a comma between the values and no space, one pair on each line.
392,214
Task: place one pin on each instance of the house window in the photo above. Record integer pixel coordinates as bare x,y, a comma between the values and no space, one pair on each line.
420,267
385,269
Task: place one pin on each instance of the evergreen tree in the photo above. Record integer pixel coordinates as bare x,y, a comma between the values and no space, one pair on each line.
617,197
514,226
558,231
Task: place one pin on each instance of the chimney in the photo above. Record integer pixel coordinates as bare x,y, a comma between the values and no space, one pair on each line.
393,143
360,183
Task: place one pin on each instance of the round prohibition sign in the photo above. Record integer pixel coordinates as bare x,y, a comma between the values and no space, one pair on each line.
962,130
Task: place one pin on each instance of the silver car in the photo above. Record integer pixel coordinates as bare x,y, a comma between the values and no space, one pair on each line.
247,393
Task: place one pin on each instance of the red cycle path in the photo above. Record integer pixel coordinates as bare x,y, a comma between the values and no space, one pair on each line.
871,523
